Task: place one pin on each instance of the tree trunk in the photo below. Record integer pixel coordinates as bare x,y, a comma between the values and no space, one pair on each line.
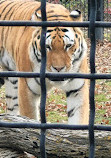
59,143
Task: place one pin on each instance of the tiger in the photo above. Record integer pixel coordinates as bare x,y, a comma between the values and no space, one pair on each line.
66,52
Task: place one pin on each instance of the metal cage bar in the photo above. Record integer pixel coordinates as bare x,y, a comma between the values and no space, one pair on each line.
42,79
53,24
92,81
42,75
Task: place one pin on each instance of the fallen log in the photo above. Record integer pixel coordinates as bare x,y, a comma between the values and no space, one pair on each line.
59,143
10,153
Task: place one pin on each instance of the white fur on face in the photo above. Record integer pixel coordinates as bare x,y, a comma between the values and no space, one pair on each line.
68,38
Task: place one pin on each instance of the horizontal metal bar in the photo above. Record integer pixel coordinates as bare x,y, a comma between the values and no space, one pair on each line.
52,126
102,127
55,75
43,126
54,23
79,75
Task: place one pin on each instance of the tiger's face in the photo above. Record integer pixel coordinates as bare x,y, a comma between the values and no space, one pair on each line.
63,47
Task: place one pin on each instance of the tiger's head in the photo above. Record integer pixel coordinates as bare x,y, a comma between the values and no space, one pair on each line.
65,46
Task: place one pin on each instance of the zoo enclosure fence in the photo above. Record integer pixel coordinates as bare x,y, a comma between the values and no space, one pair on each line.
92,24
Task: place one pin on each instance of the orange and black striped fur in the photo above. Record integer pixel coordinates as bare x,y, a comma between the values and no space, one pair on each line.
66,52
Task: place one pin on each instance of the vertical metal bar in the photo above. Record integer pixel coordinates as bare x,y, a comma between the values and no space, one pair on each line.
100,17
92,81
42,79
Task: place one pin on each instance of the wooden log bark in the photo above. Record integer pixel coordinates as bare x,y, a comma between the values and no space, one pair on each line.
10,153
59,143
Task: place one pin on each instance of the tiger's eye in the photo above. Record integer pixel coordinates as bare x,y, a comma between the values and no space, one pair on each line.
76,35
68,46
38,37
48,47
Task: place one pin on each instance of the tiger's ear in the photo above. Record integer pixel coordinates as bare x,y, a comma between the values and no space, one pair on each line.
76,15
35,16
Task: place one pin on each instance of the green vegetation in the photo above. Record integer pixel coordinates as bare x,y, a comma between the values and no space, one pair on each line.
56,106
101,98
56,116
103,102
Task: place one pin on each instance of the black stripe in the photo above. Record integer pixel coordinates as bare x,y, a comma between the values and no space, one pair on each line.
60,36
2,2
15,87
67,36
48,36
38,9
8,96
73,91
26,8
64,30
71,113
52,11
35,45
39,60
38,16
5,8
31,89
0,6
7,67
76,35
11,109
16,105
78,57
81,52
10,28
38,37
37,81
2,81
38,54
4,18
70,92
9,11
14,82
37,34
15,98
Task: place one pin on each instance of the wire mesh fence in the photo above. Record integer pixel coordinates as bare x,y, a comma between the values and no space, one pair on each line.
92,24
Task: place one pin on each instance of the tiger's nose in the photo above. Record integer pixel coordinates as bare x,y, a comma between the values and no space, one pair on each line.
58,68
